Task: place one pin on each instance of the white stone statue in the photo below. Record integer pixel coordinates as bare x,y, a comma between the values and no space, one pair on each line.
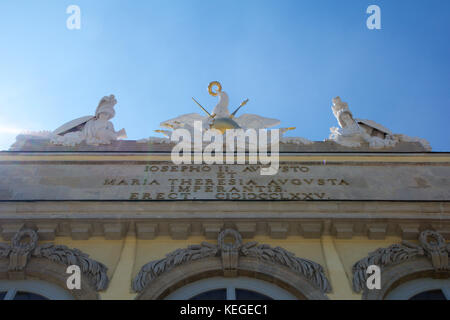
93,130
221,119
354,132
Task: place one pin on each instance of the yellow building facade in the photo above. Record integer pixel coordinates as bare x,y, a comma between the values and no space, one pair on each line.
141,227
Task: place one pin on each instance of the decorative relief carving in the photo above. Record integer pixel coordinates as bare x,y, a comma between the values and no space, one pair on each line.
432,245
153,269
24,246
230,248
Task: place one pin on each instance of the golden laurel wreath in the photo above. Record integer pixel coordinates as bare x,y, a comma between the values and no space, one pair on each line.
216,84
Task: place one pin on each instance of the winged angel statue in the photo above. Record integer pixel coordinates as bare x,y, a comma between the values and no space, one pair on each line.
221,119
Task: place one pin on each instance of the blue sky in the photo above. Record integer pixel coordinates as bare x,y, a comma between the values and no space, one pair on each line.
290,58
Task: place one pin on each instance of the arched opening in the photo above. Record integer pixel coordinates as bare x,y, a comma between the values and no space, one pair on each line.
415,279
42,279
421,289
254,277
239,288
32,290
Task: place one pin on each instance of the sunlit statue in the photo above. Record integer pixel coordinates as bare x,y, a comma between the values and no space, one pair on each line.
221,119
93,130
355,132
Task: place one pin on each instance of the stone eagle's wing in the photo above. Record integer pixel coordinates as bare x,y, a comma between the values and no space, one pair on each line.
254,121
185,119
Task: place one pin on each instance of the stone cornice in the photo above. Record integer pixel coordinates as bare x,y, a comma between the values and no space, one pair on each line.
311,157
310,219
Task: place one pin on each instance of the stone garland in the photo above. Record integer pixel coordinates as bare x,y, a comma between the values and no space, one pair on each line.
20,251
229,252
432,245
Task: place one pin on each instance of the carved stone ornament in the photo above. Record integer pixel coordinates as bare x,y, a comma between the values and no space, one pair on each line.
24,246
354,132
221,119
230,248
93,130
432,245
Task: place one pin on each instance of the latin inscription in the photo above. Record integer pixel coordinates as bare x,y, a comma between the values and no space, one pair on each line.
222,182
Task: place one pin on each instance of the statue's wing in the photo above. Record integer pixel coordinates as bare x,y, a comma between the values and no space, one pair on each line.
185,119
254,121
375,125
74,125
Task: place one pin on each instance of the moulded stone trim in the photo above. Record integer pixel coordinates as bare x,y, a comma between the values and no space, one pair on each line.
278,230
212,230
148,229
247,229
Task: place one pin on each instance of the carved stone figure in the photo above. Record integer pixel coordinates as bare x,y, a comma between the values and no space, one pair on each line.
230,253
221,119
354,132
24,246
93,130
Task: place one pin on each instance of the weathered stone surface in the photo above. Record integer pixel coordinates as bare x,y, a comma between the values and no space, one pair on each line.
212,230
130,177
311,230
278,230
180,231
133,146
377,231
114,231
147,231
246,229
409,231
343,230
81,231
46,231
